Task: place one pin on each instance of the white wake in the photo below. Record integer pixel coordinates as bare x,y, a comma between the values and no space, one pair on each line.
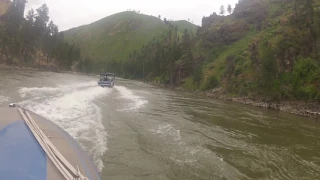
3,99
137,102
35,91
73,109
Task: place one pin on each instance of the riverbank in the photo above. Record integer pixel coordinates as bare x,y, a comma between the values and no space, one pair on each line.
299,108
30,68
306,109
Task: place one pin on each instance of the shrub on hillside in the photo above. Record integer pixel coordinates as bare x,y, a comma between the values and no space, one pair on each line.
304,77
211,83
198,75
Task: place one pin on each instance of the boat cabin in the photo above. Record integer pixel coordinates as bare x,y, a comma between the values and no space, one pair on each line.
107,80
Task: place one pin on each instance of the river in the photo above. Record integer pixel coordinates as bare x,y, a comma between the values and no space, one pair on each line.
137,131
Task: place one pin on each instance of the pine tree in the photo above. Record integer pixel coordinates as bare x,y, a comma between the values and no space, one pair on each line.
222,10
229,9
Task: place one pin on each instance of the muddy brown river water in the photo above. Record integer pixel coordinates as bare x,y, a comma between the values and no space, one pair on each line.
137,131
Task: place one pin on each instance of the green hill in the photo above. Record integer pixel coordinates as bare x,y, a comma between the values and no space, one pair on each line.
265,49
183,25
115,37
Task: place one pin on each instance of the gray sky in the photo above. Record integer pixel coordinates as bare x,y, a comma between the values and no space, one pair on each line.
72,13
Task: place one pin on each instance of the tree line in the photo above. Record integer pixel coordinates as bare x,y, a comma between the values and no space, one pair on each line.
33,39
168,60
223,10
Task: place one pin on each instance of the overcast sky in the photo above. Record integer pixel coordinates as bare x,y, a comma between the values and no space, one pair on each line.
72,13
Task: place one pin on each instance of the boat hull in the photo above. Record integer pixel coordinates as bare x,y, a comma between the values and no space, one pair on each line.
23,158
106,84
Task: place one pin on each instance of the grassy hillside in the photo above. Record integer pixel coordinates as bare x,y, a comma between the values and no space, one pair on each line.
115,37
265,49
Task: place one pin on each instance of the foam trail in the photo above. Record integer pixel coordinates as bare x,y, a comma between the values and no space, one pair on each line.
167,130
138,102
41,91
35,91
3,99
78,85
76,113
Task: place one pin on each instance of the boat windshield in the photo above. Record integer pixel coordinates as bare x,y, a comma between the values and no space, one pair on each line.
106,78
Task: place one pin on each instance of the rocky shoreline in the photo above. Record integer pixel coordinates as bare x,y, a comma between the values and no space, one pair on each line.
310,109
300,108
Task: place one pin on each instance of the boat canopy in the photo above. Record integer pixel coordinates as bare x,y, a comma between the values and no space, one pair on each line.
106,74
106,77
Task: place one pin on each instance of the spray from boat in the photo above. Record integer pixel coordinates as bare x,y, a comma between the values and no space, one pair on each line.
72,108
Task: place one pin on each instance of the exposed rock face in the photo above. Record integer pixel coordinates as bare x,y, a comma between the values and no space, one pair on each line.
252,11
225,34
224,30
211,20
4,4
